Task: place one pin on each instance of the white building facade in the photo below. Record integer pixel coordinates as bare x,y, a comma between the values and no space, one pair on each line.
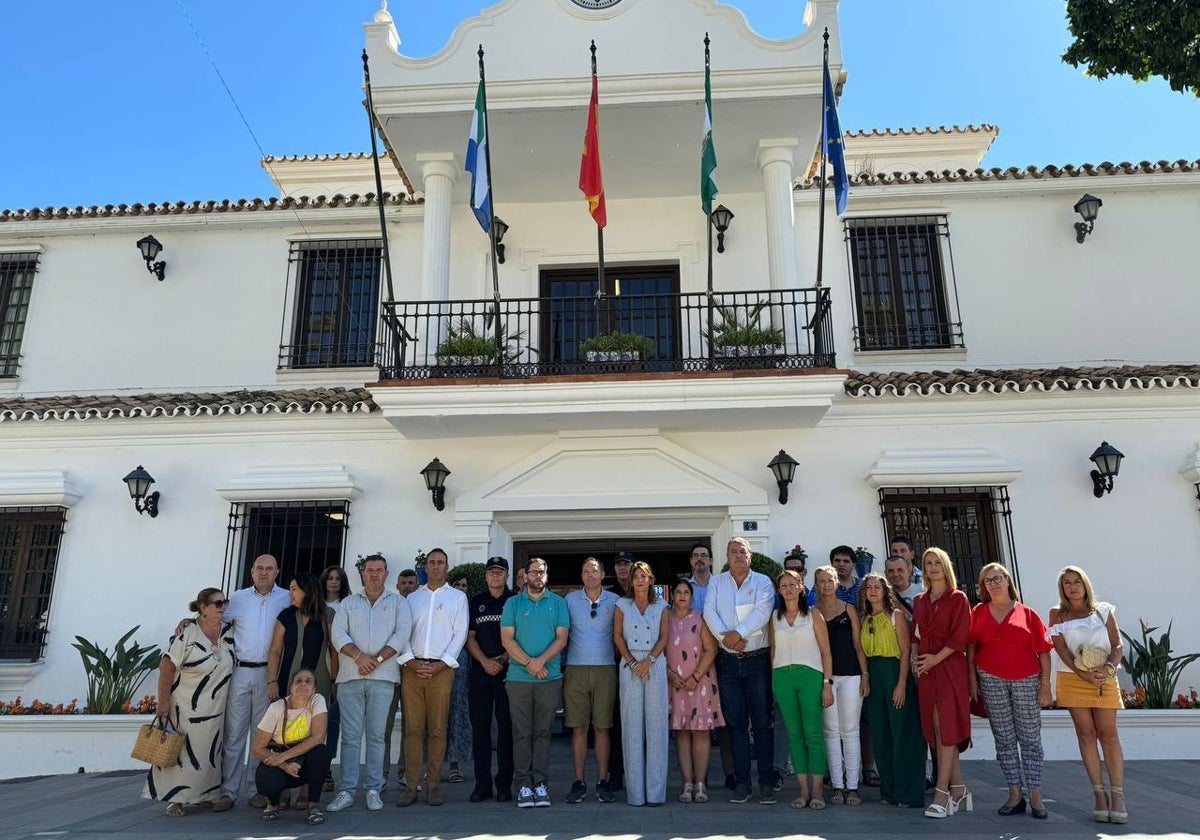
962,359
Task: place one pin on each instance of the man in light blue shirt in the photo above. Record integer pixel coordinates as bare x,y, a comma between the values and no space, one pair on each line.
737,610
590,681
370,629
701,561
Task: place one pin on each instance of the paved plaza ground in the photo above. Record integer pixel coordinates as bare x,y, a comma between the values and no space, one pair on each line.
1162,796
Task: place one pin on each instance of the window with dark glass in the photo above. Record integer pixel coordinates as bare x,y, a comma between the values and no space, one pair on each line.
305,537
16,285
902,271
336,285
973,525
29,540
637,299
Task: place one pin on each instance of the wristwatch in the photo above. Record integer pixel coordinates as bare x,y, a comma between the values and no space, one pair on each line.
379,659
828,681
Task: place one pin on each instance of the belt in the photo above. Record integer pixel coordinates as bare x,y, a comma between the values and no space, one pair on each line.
747,654
252,664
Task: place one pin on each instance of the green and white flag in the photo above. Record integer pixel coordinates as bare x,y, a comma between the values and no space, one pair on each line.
708,152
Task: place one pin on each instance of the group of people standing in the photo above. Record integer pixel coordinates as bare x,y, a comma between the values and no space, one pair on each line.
713,660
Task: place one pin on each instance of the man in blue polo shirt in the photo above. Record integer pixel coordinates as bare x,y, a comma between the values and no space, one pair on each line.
534,628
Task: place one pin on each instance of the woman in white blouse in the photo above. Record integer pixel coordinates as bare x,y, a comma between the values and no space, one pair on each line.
1088,643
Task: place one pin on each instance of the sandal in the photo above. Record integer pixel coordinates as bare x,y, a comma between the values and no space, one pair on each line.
939,812
799,802
871,779
285,801
1120,817
1100,815
837,797
456,775
176,810
852,798
817,804
315,815
301,801
270,813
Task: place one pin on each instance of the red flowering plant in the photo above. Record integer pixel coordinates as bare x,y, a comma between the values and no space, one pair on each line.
37,707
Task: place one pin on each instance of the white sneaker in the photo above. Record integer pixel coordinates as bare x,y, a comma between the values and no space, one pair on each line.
341,802
374,802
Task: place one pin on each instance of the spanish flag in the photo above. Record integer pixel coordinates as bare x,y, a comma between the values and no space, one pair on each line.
591,182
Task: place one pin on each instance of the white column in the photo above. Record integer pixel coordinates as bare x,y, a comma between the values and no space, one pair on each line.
438,171
777,162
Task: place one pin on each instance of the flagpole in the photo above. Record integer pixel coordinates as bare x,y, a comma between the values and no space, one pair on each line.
487,157
708,216
599,229
824,153
390,316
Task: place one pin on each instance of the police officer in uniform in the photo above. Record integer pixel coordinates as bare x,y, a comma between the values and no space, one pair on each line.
488,697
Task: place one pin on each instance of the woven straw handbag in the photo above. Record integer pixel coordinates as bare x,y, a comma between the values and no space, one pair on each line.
157,745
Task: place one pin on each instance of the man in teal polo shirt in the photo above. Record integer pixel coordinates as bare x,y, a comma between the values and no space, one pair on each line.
533,628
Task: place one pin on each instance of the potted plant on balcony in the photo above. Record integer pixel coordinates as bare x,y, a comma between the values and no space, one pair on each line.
470,345
738,335
617,346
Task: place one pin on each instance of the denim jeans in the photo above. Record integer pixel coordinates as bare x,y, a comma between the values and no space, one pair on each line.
364,705
744,684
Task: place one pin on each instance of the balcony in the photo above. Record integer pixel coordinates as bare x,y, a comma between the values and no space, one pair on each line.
630,335
682,361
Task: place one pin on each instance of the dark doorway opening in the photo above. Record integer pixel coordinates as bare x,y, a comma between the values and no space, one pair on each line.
668,557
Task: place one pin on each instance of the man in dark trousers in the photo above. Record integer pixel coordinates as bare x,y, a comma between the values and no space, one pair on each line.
488,697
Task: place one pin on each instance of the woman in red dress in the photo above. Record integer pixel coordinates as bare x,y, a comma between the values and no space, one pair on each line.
941,624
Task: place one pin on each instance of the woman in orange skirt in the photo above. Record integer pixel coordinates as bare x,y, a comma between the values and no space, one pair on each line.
941,625
1088,643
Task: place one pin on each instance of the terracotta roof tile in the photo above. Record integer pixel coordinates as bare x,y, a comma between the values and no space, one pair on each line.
984,128
1021,380
184,208
320,157
109,406
1086,170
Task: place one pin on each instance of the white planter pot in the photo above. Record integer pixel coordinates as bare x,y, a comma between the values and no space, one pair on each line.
738,351
44,745
463,361
613,355
1145,734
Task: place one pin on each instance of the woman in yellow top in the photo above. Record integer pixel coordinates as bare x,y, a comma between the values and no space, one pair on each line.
892,707
290,747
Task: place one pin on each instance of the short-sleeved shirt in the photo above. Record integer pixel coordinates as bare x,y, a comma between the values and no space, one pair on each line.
536,624
591,634
299,721
485,610
1008,649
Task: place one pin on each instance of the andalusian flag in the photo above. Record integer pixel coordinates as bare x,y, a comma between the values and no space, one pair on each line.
591,181
708,152
481,197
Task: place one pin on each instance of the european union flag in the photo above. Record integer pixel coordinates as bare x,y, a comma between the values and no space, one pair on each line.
835,152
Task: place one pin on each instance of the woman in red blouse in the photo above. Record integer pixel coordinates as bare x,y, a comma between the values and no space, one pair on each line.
941,625
1010,668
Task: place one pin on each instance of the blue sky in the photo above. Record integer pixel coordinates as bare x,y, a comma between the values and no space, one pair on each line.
118,102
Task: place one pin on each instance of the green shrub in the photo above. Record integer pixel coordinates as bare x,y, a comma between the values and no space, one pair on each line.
476,575
618,342
113,678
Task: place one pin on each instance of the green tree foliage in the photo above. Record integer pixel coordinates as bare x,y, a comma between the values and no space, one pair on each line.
475,573
1137,38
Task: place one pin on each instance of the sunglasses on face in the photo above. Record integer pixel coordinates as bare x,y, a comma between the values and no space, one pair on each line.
219,604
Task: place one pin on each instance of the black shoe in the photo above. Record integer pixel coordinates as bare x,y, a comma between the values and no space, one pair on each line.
578,792
1009,810
731,782
604,792
480,795
741,797
504,794
1039,813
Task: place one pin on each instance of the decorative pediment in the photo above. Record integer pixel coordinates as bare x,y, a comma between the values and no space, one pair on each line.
616,471
942,467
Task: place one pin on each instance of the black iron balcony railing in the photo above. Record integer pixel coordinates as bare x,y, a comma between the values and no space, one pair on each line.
891,336
527,337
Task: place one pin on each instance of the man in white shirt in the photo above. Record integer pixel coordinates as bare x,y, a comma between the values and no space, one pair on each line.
898,572
439,631
737,610
252,611
370,630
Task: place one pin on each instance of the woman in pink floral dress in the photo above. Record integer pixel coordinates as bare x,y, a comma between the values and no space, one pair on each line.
695,704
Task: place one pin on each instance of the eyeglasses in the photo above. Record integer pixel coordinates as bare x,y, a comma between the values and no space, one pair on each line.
994,579
219,604
535,572
595,606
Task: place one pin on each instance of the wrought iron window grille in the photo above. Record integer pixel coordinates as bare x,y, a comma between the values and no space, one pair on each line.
16,286
29,544
304,536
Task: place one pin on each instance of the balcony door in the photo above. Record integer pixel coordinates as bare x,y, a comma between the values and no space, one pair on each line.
643,300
